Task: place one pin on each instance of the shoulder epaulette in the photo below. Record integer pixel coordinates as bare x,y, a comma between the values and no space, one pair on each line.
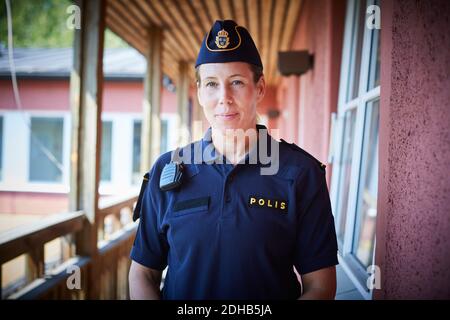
295,147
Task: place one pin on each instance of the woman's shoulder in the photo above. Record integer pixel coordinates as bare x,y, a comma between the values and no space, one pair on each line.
292,154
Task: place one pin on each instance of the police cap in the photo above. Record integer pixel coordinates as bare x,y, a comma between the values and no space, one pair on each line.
228,42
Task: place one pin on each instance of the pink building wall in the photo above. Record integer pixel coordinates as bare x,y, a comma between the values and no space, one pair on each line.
288,100
319,30
33,202
118,96
413,221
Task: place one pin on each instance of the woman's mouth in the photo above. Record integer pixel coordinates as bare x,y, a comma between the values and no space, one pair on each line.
227,116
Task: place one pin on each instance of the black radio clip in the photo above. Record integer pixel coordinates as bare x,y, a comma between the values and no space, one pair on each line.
172,173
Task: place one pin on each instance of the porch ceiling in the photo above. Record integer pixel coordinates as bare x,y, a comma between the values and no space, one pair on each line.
185,23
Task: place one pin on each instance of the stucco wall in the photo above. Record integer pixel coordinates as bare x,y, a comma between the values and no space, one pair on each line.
413,224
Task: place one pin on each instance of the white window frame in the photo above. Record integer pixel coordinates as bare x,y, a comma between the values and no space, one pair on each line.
120,157
122,150
352,267
16,138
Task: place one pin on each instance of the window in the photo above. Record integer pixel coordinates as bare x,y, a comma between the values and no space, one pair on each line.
346,163
46,150
374,68
105,166
366,207
357,43
354,182
137,129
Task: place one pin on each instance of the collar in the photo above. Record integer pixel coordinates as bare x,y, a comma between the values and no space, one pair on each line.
211,155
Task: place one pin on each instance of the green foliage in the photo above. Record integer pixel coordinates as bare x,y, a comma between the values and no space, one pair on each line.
42,24
113,41
37,23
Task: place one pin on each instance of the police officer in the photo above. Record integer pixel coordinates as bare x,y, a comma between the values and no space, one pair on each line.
225,230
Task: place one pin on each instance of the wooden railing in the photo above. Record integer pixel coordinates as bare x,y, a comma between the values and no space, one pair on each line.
108,266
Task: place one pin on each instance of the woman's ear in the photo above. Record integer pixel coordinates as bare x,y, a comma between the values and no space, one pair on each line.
260,89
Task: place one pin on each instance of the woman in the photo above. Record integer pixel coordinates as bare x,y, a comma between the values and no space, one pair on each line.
225,230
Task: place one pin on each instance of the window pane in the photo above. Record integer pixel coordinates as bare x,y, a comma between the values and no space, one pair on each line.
357,43
1,148
136,174
374,67
105,166
366,209
46,147
346,165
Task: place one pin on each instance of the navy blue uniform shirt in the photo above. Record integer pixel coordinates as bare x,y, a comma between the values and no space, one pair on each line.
231,233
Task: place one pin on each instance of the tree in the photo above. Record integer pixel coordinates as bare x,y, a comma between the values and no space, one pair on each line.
42,24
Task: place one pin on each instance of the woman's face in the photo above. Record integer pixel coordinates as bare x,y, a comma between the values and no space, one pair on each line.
229,95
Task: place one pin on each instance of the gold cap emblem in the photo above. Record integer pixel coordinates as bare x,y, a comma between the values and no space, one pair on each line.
222,39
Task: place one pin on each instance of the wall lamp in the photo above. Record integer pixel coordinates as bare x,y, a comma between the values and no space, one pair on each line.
294,62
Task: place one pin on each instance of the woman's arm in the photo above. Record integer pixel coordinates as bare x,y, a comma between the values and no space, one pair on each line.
144,282
320,284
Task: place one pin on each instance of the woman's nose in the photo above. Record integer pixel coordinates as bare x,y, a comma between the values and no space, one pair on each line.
225,95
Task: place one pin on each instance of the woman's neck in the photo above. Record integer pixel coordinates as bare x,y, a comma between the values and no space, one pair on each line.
232,144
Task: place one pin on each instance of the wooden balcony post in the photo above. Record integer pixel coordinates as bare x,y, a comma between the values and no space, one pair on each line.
86,105
151,121
182,103
35,263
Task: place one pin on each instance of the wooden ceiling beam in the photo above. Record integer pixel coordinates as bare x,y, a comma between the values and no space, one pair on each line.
184,38
239,8
266,10
213,10
168,35
202,14
293,13
151,14
176,49
136,12
124,15
277,26
115,27
226,9
252,9
182,11
125,30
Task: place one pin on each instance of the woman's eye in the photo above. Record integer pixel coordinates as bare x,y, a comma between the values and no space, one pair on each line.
237,82
211,84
